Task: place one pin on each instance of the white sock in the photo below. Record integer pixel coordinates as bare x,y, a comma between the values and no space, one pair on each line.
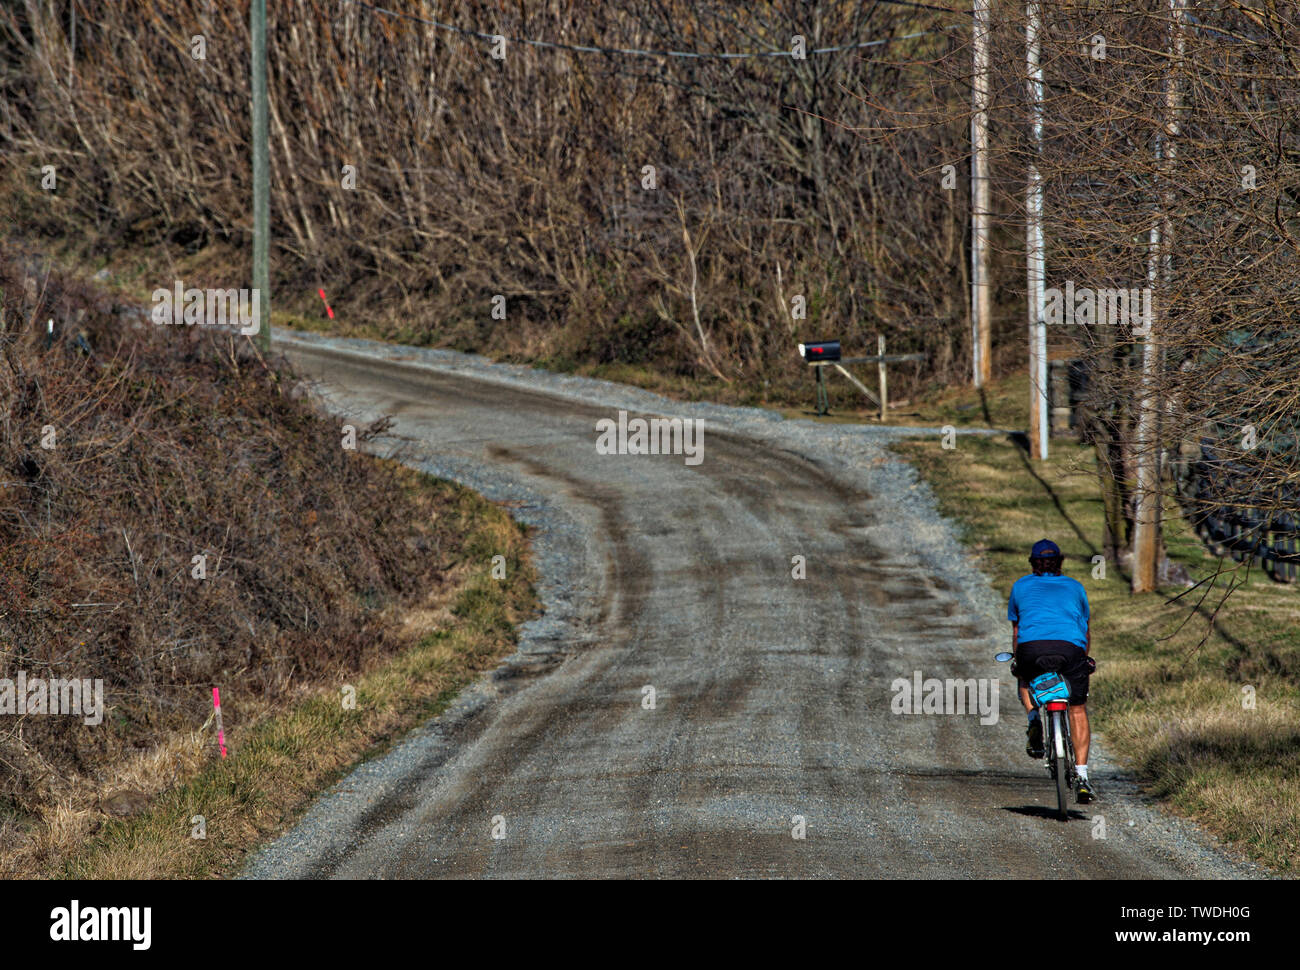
1082,770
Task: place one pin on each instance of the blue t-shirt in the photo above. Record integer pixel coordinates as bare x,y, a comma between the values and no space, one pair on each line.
1049,608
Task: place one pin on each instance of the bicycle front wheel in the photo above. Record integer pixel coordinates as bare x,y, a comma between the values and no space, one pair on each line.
1062,764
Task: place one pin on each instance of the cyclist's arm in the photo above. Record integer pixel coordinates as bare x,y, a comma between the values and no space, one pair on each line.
1087,618
1013,614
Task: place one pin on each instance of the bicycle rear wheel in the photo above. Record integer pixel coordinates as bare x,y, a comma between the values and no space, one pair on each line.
1062,764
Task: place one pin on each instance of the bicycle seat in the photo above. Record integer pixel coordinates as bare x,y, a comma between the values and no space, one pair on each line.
1050,663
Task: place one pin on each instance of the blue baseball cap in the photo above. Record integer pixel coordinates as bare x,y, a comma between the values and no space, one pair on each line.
1044,549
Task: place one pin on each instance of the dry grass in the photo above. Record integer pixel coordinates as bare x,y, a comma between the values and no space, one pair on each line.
278,764
288,751
323,564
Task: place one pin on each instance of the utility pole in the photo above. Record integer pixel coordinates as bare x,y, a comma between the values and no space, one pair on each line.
1034,254
261,177
981,296
1146,517
880,373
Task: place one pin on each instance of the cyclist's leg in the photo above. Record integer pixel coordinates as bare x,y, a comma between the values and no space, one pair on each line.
1027,668
1079,732
1079,675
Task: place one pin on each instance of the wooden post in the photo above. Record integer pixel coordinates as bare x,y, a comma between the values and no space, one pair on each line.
261,175
884,391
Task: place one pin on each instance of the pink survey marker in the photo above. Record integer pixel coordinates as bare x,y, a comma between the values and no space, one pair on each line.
221,734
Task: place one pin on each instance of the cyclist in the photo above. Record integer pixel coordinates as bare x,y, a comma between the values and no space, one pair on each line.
1049,615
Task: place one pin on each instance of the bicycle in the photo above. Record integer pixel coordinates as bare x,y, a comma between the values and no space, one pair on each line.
1050,695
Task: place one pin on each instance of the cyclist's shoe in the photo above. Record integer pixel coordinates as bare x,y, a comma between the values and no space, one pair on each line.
1085,792
1034,736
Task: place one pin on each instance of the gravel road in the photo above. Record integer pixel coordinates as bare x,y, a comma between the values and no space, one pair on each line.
772,695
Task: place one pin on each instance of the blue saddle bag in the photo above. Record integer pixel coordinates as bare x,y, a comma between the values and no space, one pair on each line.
1049,687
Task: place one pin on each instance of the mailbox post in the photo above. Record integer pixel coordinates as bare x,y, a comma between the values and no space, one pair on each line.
819,355
826,353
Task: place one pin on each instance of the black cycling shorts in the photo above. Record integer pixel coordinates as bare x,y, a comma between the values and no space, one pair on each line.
1075,669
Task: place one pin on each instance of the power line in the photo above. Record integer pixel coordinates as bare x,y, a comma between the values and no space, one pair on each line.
640,52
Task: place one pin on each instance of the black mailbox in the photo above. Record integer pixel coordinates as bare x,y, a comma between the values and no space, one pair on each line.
825,350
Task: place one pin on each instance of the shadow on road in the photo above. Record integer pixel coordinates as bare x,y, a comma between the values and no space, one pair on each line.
1041,811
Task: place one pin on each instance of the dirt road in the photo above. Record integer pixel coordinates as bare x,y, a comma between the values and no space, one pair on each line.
772,695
